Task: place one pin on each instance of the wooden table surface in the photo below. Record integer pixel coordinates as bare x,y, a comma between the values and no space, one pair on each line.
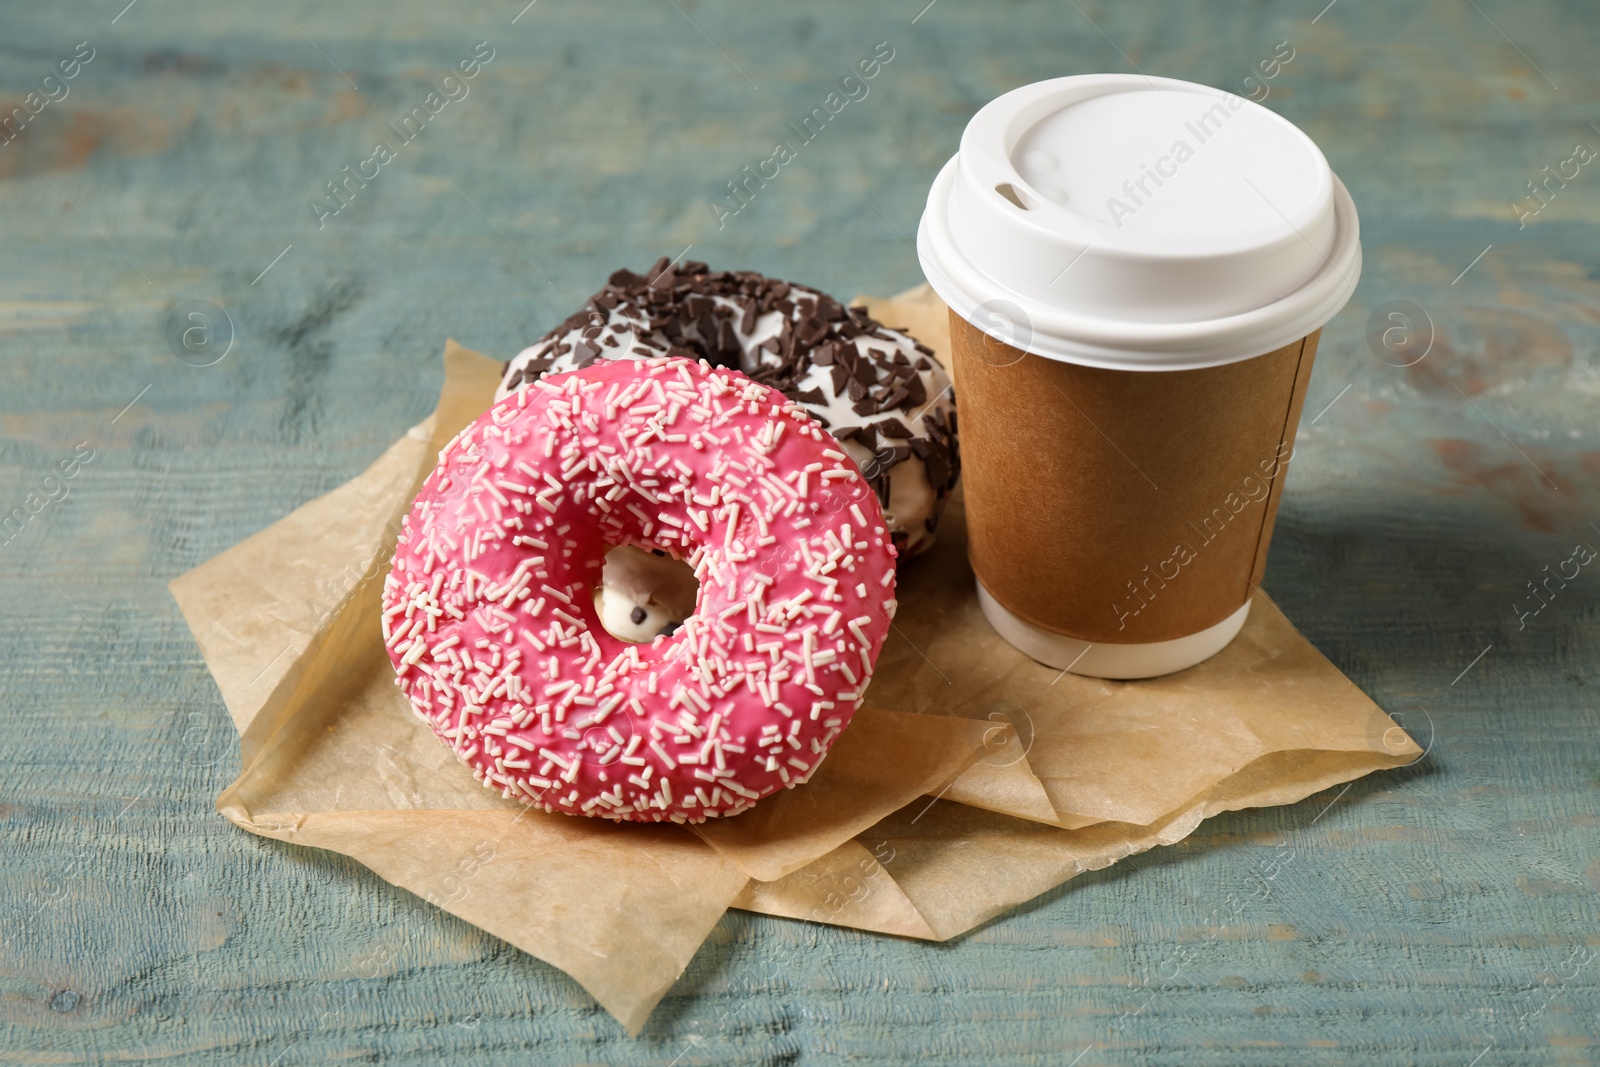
1444,914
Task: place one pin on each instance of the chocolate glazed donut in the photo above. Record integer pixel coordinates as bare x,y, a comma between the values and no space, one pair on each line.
877,390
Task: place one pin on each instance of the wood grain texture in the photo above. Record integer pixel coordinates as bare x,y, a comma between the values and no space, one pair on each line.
1446,914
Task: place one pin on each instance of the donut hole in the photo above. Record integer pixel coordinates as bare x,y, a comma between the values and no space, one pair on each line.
644,594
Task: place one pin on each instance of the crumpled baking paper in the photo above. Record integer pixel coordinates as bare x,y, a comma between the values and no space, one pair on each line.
971,780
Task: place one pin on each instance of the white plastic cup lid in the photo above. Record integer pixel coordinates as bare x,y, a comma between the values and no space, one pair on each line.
1140,224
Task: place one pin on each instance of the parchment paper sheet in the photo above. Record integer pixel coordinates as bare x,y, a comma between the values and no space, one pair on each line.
1042,776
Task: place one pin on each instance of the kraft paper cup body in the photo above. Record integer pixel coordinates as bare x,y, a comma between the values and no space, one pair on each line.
1128,511
1138,270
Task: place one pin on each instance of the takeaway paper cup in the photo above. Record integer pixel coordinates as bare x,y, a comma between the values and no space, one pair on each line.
1137,271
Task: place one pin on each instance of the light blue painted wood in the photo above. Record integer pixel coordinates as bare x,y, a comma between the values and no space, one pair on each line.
1434,916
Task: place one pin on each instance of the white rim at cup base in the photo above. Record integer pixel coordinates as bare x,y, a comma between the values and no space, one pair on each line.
1117,661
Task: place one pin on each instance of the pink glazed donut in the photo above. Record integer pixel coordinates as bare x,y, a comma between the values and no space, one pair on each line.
489,618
